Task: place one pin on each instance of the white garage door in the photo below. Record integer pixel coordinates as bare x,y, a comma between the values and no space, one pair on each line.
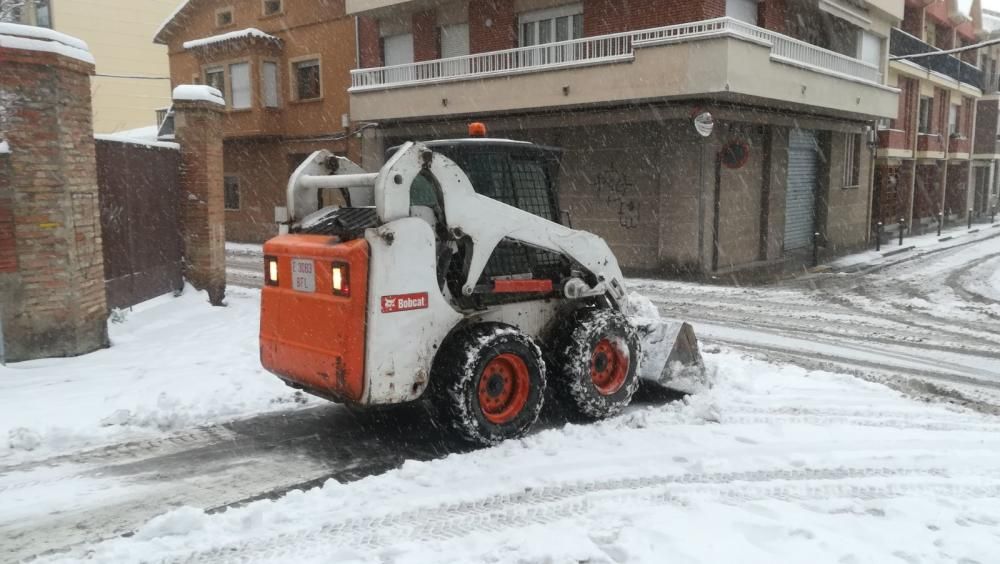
800,199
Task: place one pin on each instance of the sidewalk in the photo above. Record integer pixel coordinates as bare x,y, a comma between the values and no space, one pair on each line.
892,252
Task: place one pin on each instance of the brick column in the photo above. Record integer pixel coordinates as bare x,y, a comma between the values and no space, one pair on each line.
198,129
51,265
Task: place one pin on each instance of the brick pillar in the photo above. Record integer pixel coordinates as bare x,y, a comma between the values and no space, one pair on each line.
198,129
52,299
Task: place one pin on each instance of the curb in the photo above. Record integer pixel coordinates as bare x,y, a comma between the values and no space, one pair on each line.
898,251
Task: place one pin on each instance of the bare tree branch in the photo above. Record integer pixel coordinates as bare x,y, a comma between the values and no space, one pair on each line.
10,10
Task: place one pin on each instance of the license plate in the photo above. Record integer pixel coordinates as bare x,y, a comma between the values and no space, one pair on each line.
303,275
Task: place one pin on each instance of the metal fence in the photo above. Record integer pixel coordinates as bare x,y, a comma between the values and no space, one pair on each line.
139,196
902,44
608,48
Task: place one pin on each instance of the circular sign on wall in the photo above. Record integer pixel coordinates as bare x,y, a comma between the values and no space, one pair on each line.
735,154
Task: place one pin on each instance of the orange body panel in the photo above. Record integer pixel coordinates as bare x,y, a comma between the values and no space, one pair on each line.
316,339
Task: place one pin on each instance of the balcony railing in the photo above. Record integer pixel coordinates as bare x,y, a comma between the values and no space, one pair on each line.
902,43
609,48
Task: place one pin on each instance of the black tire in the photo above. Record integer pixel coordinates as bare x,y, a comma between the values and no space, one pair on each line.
459,371
585,368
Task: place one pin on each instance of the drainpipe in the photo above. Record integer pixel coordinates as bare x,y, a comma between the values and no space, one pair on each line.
357,43
873,148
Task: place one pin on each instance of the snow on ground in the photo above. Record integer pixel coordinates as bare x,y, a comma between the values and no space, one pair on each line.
175,363
917,244
773,464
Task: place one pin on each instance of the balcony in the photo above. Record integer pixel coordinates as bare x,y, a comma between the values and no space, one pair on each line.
722,58
902,44
959,145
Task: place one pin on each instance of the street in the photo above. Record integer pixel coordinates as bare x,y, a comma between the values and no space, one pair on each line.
926,324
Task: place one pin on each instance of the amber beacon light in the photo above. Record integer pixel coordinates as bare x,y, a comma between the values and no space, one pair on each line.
477,129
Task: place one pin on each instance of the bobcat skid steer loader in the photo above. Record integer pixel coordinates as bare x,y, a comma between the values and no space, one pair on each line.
447,275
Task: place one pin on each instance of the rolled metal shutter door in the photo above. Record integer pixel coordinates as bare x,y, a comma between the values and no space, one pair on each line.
800,194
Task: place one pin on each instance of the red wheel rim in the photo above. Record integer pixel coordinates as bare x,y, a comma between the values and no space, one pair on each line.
503,388
608,367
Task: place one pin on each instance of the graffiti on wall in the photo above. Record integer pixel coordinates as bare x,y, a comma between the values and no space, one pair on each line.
617,190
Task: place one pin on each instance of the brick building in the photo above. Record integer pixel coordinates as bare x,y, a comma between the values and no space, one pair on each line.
793,88
925,158
985,196
284,69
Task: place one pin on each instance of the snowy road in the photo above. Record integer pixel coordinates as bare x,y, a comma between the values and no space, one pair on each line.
778,462
774,464
928,323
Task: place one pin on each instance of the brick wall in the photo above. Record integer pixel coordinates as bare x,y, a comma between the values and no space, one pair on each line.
492,25
986,127
8,246
425,36
369,43
913,19
612,16
54,296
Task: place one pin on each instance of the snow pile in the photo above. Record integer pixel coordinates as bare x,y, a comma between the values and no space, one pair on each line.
783,464
145,136
198,93
248,33
31,38
175,363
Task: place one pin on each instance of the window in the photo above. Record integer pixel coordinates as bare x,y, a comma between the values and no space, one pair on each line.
870,48
272,7
269,84
231,188
545,26
239,85
307,80
223,17
43,14
953,119
454,40
216,78
852,160
924,115
743,10
397,49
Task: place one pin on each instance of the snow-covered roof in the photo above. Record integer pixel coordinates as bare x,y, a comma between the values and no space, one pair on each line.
170,18
4,148
248,33
145,136
32,38
198,93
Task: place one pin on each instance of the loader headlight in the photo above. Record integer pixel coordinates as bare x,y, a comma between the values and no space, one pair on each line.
271,271
340,279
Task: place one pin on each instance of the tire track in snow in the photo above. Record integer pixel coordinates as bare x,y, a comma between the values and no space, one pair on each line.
553,503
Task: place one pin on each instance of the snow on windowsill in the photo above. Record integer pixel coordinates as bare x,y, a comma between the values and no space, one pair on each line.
31,38
4,148
145,136
250,32
198,93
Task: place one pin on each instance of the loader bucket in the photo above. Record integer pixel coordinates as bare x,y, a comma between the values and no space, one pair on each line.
670,355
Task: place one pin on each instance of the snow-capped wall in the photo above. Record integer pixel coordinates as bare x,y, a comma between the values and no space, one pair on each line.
198,93
31,38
